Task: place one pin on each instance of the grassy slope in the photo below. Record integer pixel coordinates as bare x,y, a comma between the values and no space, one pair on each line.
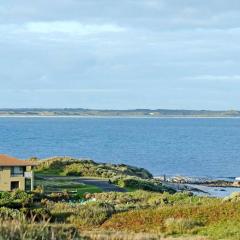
67,166
216,220
124,176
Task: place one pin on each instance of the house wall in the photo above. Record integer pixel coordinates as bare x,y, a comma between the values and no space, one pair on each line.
28,168
236,183
6,179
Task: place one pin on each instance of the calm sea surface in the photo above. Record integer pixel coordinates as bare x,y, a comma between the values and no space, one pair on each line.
194,147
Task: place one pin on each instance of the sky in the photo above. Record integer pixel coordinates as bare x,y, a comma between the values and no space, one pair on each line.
127,54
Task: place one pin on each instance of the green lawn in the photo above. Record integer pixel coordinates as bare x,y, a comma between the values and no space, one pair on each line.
58,185
88,189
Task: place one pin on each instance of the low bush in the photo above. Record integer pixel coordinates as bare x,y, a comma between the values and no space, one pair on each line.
23,230
139,183
36,214
91,214
80,214
234,197
10,214
77,167
15,199
103,170
144,199
58,196
182,225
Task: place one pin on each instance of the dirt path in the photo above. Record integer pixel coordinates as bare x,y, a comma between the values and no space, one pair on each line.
103,184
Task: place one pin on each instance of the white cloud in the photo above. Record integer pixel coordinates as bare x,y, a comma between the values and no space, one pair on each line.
53,30
70,27
215,78
86,90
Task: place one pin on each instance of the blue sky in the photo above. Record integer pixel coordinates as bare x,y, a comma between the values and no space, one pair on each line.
120,54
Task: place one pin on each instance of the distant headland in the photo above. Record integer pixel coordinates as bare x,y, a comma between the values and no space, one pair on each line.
82,112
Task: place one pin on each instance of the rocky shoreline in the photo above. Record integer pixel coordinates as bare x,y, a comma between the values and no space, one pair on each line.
202,185
199,181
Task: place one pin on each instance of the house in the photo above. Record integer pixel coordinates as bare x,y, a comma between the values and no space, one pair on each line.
236,182
15,174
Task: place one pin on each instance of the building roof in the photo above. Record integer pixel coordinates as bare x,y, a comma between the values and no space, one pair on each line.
11,161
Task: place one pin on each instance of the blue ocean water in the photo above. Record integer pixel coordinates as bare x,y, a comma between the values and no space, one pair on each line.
193,147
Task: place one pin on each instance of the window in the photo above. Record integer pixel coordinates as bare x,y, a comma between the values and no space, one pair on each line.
14,185
17,171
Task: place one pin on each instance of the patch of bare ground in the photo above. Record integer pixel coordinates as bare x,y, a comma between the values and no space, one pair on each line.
95,235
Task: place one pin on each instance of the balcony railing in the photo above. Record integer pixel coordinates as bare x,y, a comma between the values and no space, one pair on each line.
17,174
22,174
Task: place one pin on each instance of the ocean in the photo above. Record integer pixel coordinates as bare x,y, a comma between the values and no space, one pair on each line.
171,146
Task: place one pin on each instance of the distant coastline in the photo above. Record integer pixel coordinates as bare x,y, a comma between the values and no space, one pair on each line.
134,113
115,117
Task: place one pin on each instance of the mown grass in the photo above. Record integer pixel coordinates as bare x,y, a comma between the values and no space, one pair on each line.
88,189
59,185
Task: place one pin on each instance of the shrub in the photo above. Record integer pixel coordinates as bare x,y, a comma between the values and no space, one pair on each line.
91,214
77,167
140,199
10,214
139,183
36,214
15,199
234,197
181,225
58,196
74,170
22,230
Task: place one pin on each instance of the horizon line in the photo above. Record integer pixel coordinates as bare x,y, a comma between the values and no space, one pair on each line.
112,109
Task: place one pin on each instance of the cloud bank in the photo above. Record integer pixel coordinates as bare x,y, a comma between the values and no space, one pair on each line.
120,54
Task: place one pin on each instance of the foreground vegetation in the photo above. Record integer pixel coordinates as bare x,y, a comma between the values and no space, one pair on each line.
62,208
151,215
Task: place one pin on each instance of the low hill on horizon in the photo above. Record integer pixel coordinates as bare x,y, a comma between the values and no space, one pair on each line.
116,113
